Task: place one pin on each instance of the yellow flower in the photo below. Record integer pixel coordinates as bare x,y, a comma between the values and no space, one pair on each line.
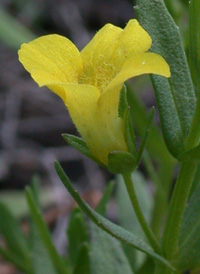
90,81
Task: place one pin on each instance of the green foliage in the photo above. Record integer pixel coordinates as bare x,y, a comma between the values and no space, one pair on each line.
189,252
194,45
175,96
83,261
77,235
44,233
155,144
17,245
111,228
40,258
191,155
107,255
12,32
127,217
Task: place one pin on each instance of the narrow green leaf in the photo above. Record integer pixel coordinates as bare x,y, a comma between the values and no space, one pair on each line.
124,113
121,162
194,45
79,144
102,205
188,256
175,96
39,257
112,229
146,134
12,32
44,233
77,234
83,261
106,253
13,235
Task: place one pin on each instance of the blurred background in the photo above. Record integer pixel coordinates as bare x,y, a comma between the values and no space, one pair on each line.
32,119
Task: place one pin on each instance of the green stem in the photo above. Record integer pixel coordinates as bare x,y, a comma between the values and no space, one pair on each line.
134,201
177,208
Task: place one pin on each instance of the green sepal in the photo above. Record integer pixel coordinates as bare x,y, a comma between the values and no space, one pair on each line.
124,113
146,135
79,144
191,155
111,228
123,103
129,132
121,162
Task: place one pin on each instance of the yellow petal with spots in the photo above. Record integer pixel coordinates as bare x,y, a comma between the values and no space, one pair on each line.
51,58
140,64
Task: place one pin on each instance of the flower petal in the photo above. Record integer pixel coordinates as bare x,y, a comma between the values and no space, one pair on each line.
101,129
139,64
134,39
100,55
101,36
54,56
110,48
